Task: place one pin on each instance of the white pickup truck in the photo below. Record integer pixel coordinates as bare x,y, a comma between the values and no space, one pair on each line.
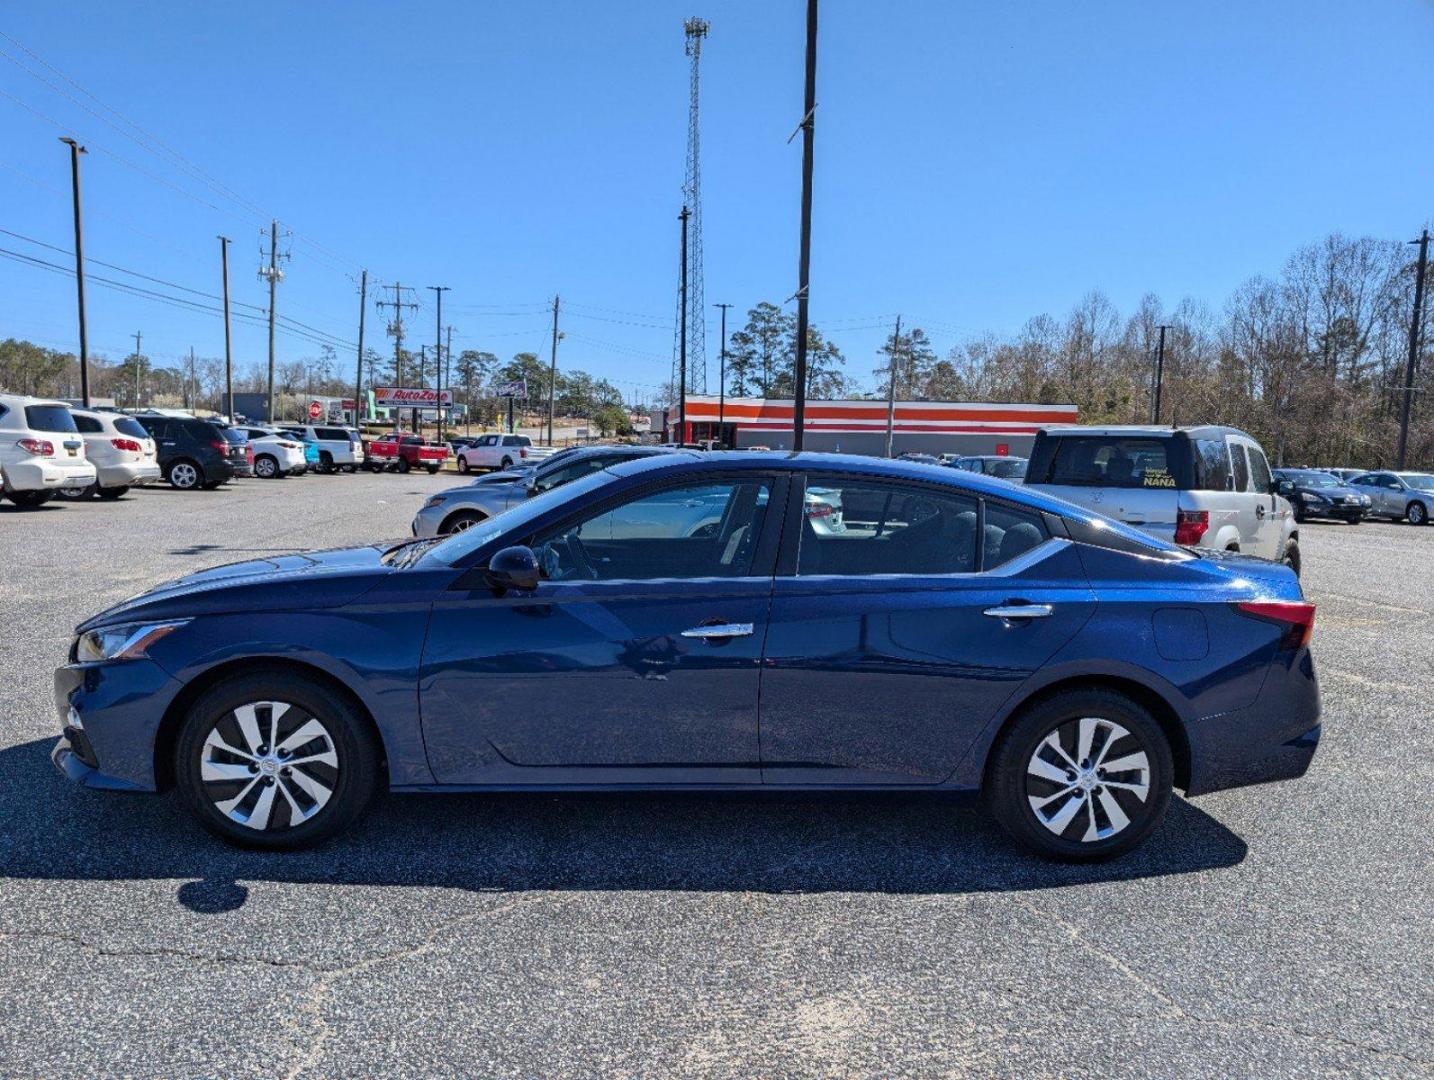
500,451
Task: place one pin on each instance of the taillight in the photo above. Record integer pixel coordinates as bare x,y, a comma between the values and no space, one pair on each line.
523,452
1190,525
248,452
126,444
1297,616
220,445
38,447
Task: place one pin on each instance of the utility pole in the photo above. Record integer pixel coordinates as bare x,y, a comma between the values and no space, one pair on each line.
808,126
553,372
682,335
358,368
395,329
448,368
75,151
1159,376
891,385
228,340
273,275
422,363
1412,363
722,378
438,290
192,388
138,336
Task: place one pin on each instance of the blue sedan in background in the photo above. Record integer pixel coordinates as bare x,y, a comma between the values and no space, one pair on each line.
680,622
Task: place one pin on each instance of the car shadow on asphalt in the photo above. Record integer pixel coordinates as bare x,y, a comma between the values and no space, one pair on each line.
759,842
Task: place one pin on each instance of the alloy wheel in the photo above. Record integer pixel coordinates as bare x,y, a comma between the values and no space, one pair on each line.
1416,513
269,765
184,475
265,468
1088,779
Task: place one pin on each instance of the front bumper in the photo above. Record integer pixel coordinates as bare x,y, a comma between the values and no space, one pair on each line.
46,474
120,705
427,520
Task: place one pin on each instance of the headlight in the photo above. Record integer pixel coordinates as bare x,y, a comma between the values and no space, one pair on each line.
1315,496
436,500
128,641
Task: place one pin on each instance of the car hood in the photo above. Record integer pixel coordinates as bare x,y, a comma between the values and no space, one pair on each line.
308,580
1342,491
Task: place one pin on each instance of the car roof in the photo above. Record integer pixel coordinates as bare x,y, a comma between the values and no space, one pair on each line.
1138,429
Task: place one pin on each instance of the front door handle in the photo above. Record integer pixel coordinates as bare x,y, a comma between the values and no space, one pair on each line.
720,630
1020,611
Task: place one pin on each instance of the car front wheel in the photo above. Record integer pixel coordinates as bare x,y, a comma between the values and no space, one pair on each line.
460,522
275,762
1417,514
1082,776
28,500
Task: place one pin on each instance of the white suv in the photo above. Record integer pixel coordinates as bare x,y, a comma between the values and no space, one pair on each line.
1207,487
119,448
340,448
41,450
277,454
501,452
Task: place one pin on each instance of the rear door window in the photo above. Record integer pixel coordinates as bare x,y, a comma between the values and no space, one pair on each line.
1112,461
49,418
1212,464
859,527
1242,467
1259,469
1009,532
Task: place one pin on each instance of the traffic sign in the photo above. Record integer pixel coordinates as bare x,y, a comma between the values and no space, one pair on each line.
316,410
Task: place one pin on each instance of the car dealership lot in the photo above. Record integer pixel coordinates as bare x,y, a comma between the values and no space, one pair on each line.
1274,931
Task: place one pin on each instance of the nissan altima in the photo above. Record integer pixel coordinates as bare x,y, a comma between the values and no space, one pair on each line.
957,634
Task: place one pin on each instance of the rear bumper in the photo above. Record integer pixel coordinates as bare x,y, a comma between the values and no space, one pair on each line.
1273,738
42,474
128,474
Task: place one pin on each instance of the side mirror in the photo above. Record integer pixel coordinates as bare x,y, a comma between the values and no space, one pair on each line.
532,485
513,568
1284,487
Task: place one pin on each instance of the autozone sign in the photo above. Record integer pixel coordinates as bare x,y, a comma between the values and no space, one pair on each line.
412,397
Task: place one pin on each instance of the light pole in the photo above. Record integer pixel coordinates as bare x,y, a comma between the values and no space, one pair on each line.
75,151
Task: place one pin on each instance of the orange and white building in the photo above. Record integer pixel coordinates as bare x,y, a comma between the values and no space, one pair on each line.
859,427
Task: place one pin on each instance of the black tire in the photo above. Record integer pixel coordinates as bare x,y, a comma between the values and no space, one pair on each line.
1291,557
1417,513
507,464
28,500
266,467
77,494
114,492
456,523
351,780
190,475
403,465
326,462
432,470
463,464
348,468
1011,785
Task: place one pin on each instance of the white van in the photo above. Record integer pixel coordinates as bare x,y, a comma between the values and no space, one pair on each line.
1208,487
41,450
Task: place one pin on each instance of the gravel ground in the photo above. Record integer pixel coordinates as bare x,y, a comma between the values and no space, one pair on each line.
1281,931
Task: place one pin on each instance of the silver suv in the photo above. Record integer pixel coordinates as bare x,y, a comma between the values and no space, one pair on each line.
1207,487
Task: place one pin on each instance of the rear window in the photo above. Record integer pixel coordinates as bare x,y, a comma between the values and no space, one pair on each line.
1117,461
133,428
49,418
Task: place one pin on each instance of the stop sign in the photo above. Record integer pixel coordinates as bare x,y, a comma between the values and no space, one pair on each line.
315,410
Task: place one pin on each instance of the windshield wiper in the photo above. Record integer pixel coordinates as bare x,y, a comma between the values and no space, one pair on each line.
408,552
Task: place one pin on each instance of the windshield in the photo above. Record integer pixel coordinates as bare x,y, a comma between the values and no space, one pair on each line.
1007,468
460,545
1422,481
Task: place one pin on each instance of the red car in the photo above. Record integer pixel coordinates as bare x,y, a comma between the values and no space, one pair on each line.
405,452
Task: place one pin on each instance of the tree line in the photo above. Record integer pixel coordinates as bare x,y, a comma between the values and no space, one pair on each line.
1310,361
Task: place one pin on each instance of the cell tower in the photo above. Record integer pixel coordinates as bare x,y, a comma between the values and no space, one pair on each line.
696,30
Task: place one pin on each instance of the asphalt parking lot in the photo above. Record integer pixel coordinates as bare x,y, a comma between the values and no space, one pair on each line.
1282,931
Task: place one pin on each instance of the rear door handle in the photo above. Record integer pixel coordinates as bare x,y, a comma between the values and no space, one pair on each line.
720,630
1260,511
1020,611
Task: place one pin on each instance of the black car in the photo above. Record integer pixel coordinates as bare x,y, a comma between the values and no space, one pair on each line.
196,453
1318,494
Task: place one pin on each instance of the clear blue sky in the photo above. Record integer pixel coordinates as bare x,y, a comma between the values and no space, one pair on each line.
977,163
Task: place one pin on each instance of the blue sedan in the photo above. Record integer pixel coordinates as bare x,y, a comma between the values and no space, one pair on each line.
682,621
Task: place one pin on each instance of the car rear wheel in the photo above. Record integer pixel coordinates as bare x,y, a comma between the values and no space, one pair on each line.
114,492
28,500
463,464
1417,514
403,465
275,762
432,470
1082,776
507,463
266,467
78,492
185,475
326,462
1291,557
